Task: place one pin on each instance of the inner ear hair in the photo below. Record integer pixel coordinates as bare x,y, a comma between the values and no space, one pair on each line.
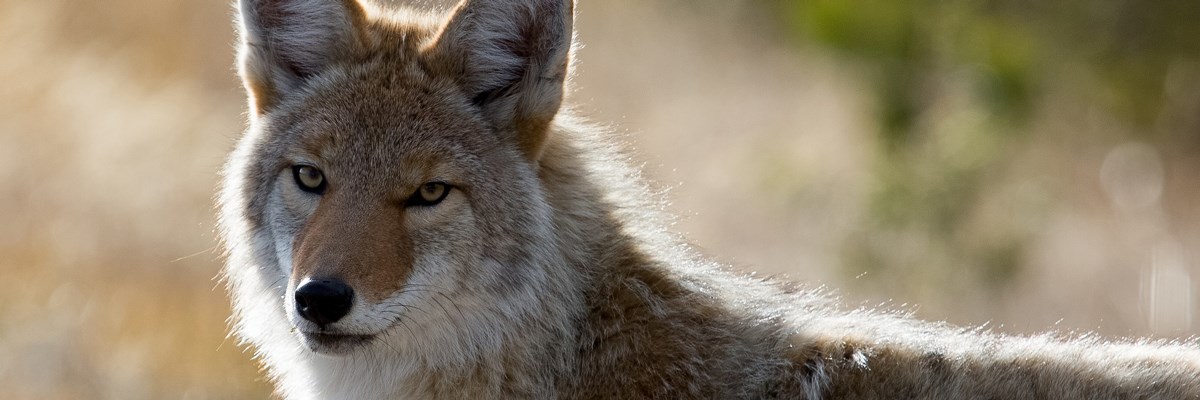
510,57
285,42
489,96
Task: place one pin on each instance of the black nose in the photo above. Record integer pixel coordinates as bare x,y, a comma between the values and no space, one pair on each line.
324,301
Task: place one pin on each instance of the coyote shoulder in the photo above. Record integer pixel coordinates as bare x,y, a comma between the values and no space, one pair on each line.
413,214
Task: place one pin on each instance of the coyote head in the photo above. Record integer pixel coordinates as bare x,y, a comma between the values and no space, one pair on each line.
387,187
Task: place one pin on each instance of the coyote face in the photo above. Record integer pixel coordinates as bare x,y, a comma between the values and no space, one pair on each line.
388,180
373,215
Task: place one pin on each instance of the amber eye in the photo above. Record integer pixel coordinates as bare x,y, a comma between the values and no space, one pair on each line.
429,194
309,178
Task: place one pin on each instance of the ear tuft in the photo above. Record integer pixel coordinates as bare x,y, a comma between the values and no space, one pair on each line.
511,59
286,41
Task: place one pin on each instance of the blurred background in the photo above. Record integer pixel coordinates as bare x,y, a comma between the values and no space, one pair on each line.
1024,165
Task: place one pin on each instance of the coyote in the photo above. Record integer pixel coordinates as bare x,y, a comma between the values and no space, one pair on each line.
412,213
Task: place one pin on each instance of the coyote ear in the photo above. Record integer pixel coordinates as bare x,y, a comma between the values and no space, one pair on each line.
511,58
286,41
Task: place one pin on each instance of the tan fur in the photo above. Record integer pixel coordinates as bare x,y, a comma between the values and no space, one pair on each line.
546,272
331,245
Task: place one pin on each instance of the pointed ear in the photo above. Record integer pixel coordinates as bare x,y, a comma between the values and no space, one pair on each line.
285,42
511,58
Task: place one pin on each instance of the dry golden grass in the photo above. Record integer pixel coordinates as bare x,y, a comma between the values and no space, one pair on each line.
115,116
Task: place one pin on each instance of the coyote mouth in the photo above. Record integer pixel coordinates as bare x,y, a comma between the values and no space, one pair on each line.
333,343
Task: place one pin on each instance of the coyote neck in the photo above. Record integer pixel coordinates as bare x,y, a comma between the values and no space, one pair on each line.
602,213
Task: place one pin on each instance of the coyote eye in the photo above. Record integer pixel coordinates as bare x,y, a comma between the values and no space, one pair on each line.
429,194
309,178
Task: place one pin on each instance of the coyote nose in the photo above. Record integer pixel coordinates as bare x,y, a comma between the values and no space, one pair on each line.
324,301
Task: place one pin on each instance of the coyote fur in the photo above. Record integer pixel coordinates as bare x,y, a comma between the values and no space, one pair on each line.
413,213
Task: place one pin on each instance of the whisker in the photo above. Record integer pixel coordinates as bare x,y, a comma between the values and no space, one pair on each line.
208,250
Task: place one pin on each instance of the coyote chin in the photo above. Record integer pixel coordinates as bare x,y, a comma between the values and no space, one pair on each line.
412,214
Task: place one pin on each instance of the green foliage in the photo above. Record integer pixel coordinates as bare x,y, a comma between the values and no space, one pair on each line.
958,83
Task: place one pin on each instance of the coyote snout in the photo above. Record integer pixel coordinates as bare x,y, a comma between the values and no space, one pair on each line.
353,254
